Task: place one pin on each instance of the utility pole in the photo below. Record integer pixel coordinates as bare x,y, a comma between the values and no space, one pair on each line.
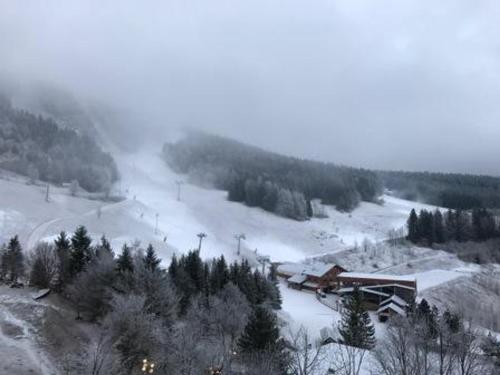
179,184
47,193
263,259
156,225
201,236
239,237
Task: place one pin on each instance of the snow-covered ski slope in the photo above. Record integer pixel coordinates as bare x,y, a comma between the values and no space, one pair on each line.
151,191
152,213
153,184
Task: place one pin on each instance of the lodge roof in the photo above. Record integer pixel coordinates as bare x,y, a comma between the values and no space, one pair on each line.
297,279
393,307
363,289
313,269
395,299
375,276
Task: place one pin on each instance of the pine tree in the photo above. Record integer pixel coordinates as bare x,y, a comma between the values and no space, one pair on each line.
300,206
104,248
219,275
461,224
273,269
270,197
193,266
423,309
261,333
356,327
452,320
81,251
173,269
412,224
439,231
4,263
62,244
429,316
125,263
15,259
284,205
151,261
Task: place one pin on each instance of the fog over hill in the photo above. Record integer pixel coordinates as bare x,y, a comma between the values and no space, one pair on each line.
400,85
206,187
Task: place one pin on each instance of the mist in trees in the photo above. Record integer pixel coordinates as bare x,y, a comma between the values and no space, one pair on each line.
280,184
434,227
39,148
450,190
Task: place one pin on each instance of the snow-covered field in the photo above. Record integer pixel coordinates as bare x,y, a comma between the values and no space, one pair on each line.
152,213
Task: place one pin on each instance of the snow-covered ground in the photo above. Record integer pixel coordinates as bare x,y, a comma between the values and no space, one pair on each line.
152,213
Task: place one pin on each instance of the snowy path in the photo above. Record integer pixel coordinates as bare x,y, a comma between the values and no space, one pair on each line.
19,352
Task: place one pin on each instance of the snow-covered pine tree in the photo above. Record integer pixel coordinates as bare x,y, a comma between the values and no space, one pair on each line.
151,261
285,204
261,332
125,263
81,251
62,244
4,263
356,327
104,248
412,224
15,259
270,198
300,206
439,231
219,274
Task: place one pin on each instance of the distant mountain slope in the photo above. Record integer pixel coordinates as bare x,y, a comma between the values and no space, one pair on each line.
51,101
39,148
457,191
288,186
281,184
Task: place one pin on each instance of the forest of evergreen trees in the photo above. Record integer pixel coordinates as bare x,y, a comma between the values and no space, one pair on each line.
286,185
280,184
455,191
37,147
428,227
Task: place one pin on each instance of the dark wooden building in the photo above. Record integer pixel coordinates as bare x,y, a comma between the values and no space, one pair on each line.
310,276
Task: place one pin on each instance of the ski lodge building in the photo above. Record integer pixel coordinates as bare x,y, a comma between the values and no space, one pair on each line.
309,276
388,295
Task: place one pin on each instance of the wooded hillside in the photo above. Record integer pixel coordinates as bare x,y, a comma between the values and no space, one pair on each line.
37,147
451,190
281,184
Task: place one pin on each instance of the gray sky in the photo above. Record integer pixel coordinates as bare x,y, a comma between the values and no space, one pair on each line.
385,84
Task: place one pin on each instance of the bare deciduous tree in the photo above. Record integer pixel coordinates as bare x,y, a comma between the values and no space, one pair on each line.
306,355
345,359
98,356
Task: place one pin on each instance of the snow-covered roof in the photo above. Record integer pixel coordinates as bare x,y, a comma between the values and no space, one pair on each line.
310,284
376,276
329,333
397,300
396,285
393,307
297,278
314,269
363,289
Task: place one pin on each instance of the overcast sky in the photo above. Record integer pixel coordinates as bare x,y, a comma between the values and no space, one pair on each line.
384,84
